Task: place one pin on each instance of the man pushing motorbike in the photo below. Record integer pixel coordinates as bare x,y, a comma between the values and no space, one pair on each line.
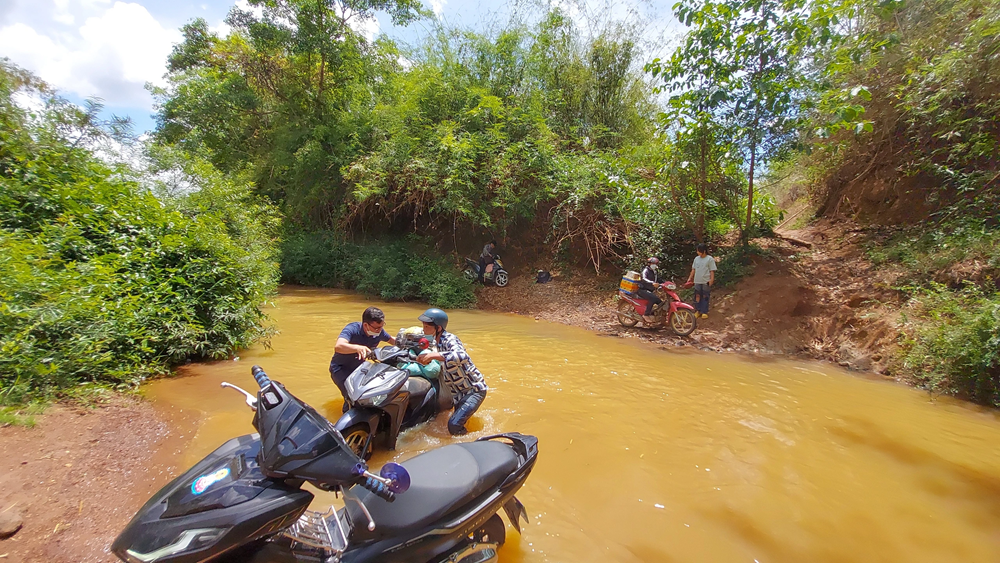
468,388
354,344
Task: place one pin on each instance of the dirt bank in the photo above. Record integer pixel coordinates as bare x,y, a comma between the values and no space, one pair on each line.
79,475
813,294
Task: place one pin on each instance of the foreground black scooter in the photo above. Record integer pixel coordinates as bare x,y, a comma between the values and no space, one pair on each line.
244,501
384,399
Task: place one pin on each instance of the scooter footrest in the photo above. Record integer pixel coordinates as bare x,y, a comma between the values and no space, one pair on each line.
317,531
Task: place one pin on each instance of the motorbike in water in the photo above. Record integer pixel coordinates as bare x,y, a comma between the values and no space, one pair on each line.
495,273
672,312
245,502
384,398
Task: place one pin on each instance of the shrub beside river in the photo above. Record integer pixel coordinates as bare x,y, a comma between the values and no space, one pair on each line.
101,282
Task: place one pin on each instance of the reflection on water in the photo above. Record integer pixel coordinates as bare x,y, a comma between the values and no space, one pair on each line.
650,455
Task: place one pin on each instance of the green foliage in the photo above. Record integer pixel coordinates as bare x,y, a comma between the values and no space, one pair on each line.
929,71
927,254
739,70
101,282
954,346
480,129
387,269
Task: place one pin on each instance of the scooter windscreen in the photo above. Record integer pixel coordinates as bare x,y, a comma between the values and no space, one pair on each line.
298,443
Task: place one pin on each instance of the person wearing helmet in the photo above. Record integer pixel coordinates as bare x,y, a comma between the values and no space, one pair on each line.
648,284
468,388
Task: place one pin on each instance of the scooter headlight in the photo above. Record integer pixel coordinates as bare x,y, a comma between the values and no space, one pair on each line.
374,400
188,540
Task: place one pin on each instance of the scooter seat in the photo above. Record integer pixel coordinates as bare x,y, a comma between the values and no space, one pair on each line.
441,481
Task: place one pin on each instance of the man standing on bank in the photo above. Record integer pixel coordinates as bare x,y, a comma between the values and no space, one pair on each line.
468,388
703,275
355,342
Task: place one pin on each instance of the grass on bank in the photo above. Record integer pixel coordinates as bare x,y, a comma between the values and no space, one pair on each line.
950,337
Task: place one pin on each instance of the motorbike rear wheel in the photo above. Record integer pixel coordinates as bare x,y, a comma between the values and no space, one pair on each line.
470,274
357,439
683,322
624,308
493,531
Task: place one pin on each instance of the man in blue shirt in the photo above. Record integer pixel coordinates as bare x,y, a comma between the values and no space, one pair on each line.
354,344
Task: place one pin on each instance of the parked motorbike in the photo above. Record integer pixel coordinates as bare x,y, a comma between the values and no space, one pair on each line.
495,273
673,312
383,399
244,502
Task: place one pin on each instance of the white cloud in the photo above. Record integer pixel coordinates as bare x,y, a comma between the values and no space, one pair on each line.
438,6
116,50
368,27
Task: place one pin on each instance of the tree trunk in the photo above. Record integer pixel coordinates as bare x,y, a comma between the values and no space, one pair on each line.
322,65
753,163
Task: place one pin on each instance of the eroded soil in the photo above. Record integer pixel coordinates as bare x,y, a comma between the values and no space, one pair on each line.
79,475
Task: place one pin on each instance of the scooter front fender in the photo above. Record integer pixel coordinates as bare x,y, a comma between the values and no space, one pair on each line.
681,305
363,415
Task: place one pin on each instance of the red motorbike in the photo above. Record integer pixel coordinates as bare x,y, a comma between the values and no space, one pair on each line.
674,312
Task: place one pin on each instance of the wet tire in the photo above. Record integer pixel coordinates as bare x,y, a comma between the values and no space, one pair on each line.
624,308
493,531
357,438
683,322
501,278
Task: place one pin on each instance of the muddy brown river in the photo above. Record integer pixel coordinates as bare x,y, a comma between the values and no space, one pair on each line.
662,455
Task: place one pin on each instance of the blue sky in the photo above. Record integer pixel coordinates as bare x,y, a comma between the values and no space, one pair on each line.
111,48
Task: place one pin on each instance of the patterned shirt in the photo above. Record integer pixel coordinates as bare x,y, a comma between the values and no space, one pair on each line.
459,373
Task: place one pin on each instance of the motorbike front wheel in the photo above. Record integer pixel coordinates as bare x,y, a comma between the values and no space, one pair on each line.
683,322
624,317
500,278
357,438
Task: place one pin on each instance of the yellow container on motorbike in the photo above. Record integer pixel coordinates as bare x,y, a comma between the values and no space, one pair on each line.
630,282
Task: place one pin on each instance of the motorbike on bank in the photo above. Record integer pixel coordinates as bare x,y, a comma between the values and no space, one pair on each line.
495,273
390,393
672,312
244,502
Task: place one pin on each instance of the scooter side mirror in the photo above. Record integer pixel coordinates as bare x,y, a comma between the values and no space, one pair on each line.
398,477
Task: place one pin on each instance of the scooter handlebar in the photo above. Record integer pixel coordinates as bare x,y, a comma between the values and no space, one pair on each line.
379,488
262,379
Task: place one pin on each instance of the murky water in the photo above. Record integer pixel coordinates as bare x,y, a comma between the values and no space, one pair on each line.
650,455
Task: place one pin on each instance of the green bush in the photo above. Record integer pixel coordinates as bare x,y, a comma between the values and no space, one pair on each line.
389,269
953,344
100,281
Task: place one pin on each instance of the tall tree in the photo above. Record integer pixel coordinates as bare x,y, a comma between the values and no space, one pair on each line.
741,63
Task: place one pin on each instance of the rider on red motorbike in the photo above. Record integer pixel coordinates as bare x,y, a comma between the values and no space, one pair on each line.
649,282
